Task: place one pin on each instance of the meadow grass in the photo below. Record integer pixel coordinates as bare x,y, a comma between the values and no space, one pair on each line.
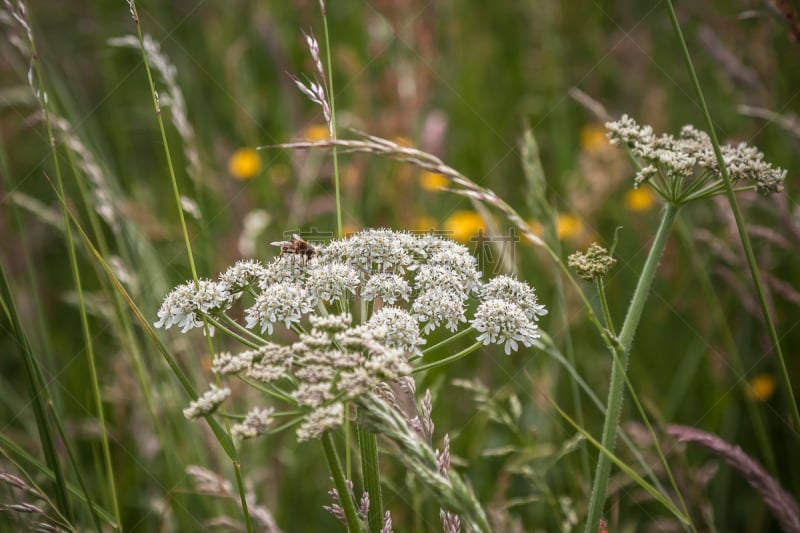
132,179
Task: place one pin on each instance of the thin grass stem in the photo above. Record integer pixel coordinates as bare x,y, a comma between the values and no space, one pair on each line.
40,396
163,131
786,383
332,103
76,278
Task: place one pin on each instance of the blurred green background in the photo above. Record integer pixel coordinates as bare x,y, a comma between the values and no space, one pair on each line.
462,80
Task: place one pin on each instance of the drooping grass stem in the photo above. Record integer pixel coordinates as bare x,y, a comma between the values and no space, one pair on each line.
623,346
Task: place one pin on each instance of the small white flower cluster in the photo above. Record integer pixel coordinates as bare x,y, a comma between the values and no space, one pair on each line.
405,286
255,423
207,403
594,263
689,162
181,306
327,367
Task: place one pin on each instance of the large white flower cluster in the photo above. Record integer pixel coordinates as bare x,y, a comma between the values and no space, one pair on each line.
360,308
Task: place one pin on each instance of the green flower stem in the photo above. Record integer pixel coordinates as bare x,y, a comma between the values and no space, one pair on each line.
368,446
623,346
247,337
237,469
346,502
601,291
450,359
609,454
450,338
786,383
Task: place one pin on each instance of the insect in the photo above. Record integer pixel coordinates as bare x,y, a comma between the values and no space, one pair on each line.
297,246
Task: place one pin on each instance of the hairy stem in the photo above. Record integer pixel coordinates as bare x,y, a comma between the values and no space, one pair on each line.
617,386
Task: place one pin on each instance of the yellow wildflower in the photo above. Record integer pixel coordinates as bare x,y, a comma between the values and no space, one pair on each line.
568,226
639,200
593,138
761,387
244,164
316,132
431,181
463,225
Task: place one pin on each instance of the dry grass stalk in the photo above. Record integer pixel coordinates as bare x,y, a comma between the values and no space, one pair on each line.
783,507
465,187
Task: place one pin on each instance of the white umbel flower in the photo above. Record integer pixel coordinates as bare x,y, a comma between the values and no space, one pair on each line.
207,403
243,274
321,420
685,168
515,291
181,306
283,302
436,306
503,322
388,287
402,329
255,423
331,281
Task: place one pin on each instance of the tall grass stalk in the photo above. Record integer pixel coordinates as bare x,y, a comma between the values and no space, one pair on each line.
622,348
222,437
42,339
332,103
40,396
786,382
43,100
76,467
23,460
187,241
162,130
